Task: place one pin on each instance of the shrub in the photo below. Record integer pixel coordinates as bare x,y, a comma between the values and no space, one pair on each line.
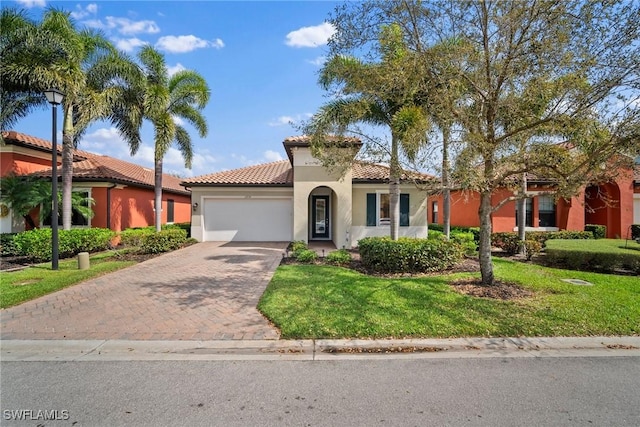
543,236
408,255
163,241
36,244
306,256
7,245
435,227
339,257
435,235
298,246
134,236
509,242
466,241
531,248
599,231
601,258
635,231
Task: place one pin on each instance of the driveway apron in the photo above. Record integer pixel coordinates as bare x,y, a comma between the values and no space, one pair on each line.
207,291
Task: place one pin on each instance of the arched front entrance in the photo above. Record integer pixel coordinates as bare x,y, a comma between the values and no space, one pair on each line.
322,208
602,207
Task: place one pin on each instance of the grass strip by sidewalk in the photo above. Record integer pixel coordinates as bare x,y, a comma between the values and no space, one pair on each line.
314,301
19,286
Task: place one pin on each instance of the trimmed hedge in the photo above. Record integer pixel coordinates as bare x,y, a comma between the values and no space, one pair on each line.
135,236
163,241
36,244
7,245
591,258
599,231
510,243
408,255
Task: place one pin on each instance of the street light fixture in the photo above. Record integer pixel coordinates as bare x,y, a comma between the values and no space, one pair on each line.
55,98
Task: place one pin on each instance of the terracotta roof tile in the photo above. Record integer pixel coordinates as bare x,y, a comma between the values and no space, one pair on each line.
281,174
90,166
276,173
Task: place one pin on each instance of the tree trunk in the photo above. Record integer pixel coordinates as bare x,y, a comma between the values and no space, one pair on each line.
522,214
486,266
394,189
446,192
158,194
67,166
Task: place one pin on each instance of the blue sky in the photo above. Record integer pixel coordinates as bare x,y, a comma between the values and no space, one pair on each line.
259,58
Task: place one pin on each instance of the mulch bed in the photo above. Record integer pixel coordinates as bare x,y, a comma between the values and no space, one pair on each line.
10,263
499,290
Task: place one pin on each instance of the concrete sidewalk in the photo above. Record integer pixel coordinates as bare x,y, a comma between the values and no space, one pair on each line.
310,350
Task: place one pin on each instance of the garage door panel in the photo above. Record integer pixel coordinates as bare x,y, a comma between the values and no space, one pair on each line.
248,219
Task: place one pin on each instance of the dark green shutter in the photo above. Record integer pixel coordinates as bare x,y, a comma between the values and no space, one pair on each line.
371,209
404,210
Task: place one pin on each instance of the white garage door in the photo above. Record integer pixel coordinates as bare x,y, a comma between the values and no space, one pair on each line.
257,220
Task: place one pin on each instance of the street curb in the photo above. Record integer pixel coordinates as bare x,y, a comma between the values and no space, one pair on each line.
318,350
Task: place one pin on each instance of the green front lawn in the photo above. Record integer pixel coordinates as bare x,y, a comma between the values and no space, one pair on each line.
313,301
19,286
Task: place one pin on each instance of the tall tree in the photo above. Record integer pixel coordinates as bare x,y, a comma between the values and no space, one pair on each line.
167,100
538,73
374,93
95,78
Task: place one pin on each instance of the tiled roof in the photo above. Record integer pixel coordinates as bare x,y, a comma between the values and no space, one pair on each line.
90,166
281,174
275,173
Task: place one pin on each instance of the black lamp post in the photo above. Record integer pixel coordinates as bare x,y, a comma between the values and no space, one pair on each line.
55,98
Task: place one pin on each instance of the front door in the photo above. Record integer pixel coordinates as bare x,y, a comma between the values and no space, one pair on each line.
320,217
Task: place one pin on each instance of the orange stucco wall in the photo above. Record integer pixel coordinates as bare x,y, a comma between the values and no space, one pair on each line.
130,206
21,164
133,207
570,213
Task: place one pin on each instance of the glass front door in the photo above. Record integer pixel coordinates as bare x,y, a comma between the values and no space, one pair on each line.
320,217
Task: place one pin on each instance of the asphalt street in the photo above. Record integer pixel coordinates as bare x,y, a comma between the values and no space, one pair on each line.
358,392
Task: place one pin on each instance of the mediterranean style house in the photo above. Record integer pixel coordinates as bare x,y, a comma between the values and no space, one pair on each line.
615,205
123,192
299,199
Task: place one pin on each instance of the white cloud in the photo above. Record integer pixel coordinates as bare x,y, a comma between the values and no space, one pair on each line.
267,157
129,45
32,3
175,69
81,13
319,61
289,120
124,26
177,120
315,36
183,44
272,156
281,121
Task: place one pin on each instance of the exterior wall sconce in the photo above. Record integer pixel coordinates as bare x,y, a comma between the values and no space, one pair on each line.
195,206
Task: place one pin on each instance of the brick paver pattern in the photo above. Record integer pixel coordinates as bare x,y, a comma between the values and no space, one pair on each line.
207,291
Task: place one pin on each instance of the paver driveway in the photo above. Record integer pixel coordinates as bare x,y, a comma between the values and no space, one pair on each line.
207,291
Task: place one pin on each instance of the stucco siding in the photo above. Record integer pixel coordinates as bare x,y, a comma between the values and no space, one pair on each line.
417,213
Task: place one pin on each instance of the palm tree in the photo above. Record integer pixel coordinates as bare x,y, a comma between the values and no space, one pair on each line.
167,99
25,193
379,94
95,78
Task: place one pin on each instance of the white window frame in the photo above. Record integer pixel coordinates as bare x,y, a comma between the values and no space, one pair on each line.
379,221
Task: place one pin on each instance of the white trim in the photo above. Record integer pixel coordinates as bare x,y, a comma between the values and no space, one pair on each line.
538,229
